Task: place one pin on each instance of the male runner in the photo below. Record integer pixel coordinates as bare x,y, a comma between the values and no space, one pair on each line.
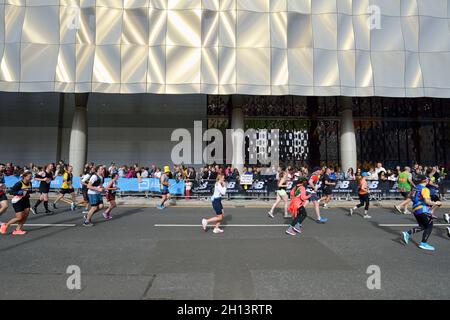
95,195
422,205
327,188
405,185
164,187
67,188
45,177
313,188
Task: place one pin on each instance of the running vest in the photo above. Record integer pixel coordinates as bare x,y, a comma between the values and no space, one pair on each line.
419,205
20,191
403,183
98,182
360,187
164,187
67,183
112,192
46,175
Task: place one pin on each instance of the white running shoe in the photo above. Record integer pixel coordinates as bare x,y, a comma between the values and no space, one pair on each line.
270,214
217,230
351,212
204,224
85,212
366,216
406,212
447,217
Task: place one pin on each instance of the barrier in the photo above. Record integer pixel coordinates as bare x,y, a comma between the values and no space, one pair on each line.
259,188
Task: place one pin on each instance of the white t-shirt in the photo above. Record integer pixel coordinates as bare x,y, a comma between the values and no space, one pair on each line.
219,191
85,178
92,180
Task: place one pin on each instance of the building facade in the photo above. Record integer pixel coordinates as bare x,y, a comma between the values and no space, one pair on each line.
345,80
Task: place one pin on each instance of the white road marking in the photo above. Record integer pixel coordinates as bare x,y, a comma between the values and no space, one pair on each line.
411,225
224,225
48,225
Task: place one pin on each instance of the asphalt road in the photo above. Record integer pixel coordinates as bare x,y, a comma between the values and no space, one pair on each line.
131,257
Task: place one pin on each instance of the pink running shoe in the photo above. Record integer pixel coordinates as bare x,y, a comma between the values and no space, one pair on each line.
19,233
3,228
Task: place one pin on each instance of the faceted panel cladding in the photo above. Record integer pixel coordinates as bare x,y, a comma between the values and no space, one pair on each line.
274,47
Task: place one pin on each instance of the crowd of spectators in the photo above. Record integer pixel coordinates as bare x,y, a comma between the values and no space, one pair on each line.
210,172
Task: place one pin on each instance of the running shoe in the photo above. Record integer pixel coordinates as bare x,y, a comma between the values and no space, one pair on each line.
49,212
398,209
350,212
85,217
297,228
160,207
322,220
406,237
217,230
19,233
448,232
54,206
34,210
3,228
73,207
447,217
426,246
406,212
270,214
325,206
85,212
105,215
290,231
366,216
204,224
88,224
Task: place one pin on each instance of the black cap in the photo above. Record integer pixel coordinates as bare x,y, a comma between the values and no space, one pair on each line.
317,169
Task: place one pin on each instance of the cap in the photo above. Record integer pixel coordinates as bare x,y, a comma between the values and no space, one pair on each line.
166,169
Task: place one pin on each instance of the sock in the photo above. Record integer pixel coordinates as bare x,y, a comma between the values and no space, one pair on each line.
366,212
37,203
46,205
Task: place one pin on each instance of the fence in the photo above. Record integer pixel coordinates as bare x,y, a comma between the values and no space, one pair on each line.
260,189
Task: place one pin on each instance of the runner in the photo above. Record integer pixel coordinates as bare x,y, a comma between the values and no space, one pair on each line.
434,188
313,187
405,185
45,177
327,188
422,204
21,204
111,190
220,190
164,180
281,195
299,200
3,198
67,188
95,190
363,192
88,172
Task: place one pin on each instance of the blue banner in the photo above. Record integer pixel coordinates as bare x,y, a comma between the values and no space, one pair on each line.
146,185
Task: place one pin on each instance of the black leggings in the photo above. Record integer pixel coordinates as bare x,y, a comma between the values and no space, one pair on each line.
364,201
301,216
425,224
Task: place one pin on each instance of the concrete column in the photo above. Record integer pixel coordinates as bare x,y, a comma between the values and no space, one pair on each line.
348,138
78,135
237,125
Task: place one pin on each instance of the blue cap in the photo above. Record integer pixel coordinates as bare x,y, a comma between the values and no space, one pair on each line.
365,174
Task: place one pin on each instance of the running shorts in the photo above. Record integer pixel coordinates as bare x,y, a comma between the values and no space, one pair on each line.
406,195
95,199
435,197
67,191
282,193
44,189
217,206
21,205
110,197
314,197
327,191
